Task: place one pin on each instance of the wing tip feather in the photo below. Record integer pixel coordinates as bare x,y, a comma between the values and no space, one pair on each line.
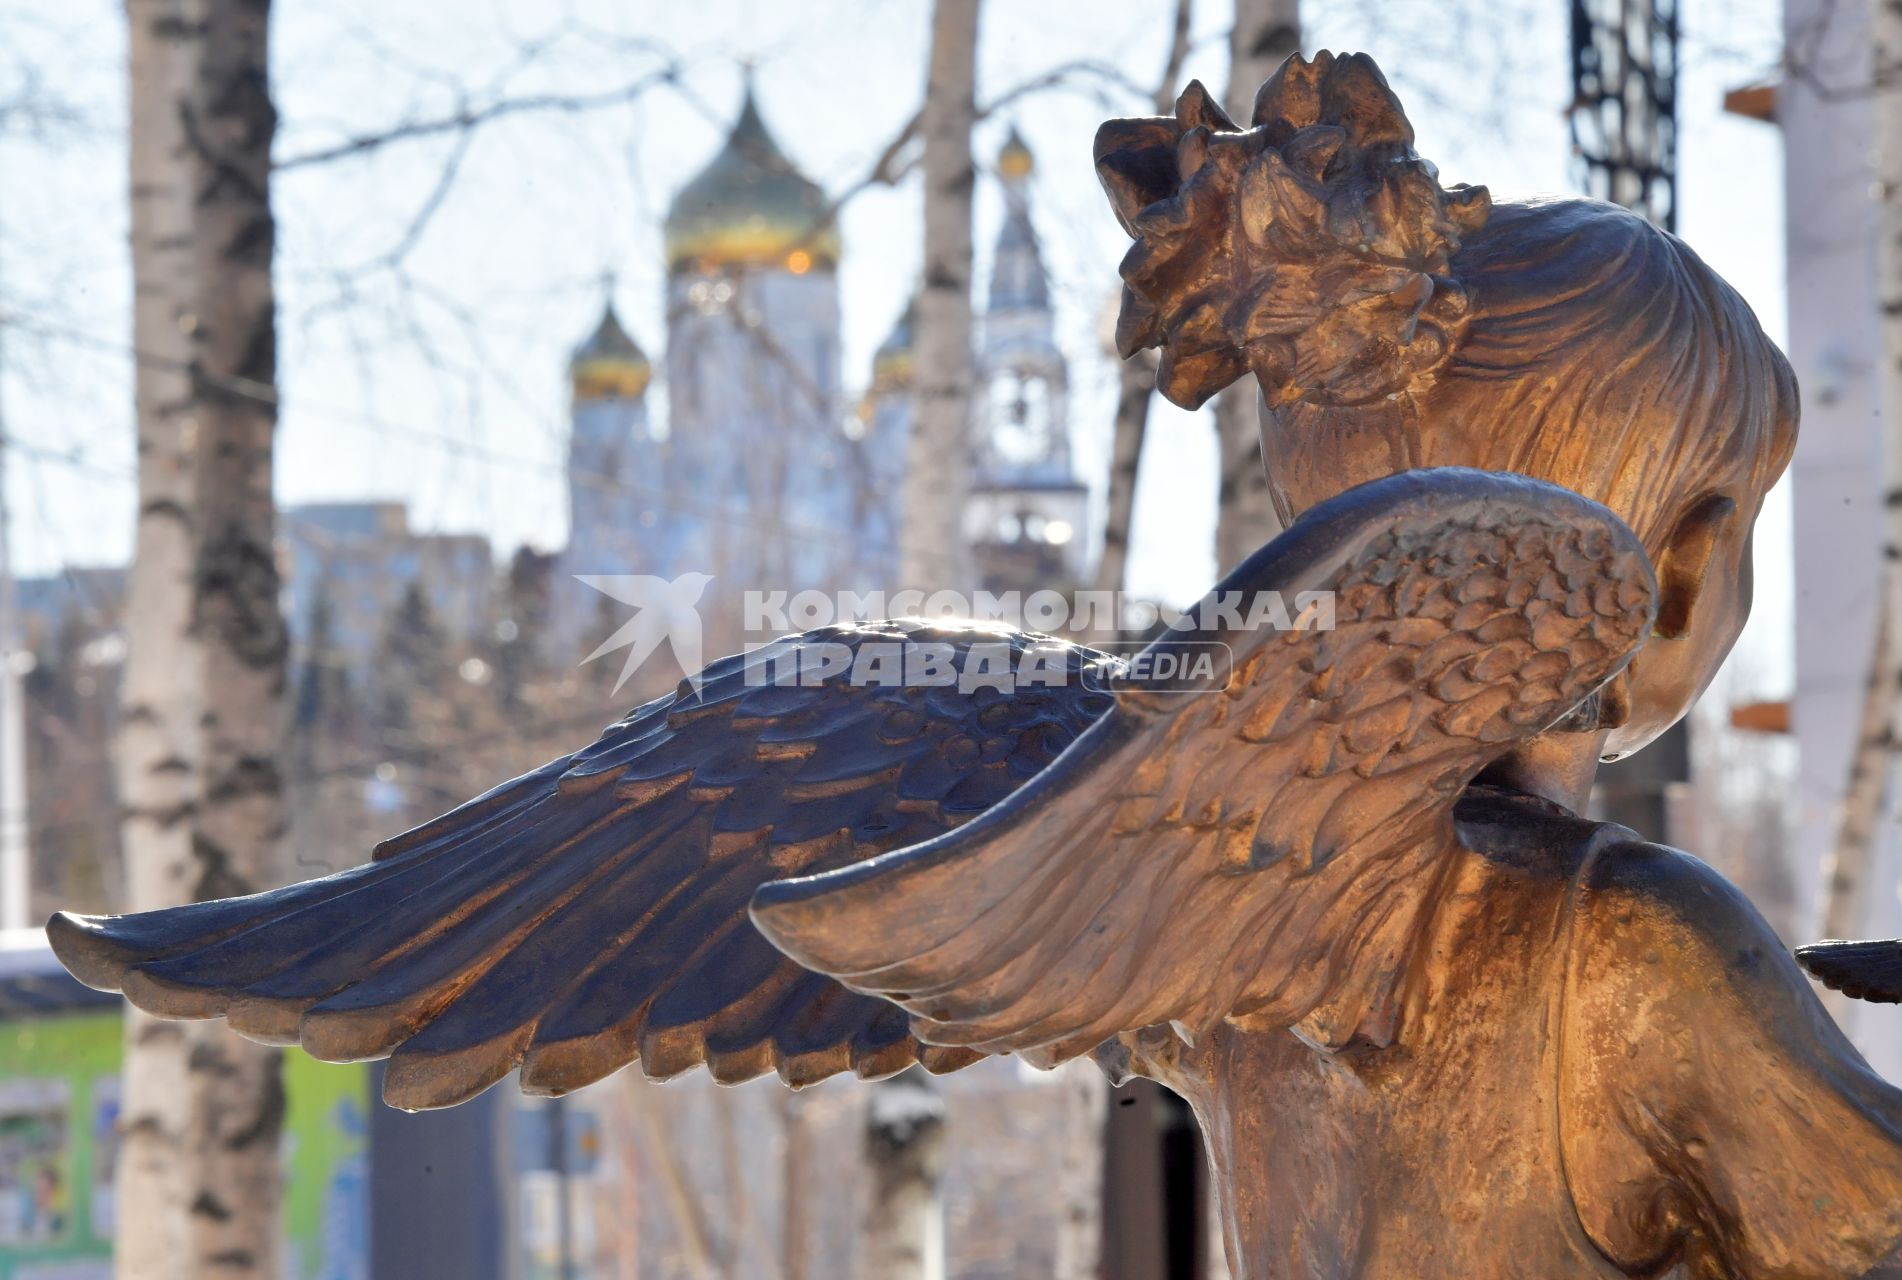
86,947
265,1019
351,1035
430,1080
163,998
1867,971
551,1068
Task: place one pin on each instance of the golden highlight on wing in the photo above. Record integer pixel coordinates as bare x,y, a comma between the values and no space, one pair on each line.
1140,878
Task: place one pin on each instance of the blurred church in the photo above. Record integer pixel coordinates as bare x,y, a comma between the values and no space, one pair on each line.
766,476
424,671
767,473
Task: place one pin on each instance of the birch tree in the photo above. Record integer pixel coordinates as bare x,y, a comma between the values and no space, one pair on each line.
204,684
158,744
1135,387
931,548
1083,1097
904,1153
1872,757
1264,34
938,462
1136,376
796,1167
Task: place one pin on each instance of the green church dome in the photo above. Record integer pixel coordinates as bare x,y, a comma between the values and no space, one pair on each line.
751,207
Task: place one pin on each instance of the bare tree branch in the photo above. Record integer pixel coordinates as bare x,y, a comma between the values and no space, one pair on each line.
468,118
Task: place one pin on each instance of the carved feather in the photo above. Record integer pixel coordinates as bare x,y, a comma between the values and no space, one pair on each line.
1035,870
594,912
1468,617
1860,970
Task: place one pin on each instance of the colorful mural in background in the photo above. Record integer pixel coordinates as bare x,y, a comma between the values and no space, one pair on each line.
59,1108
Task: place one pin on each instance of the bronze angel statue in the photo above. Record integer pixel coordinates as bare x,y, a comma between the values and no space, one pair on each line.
1341,897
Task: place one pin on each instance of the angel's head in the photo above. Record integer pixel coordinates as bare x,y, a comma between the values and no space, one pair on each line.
1393,324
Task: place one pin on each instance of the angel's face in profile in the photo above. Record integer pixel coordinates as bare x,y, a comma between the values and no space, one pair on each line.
1703,560
1602,355
1706,580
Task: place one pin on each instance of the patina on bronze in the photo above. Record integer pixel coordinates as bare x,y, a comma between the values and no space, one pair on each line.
1434,1024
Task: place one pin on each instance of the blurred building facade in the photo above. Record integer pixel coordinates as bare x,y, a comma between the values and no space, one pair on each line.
885,421
423,672
616,483
758,485
358,560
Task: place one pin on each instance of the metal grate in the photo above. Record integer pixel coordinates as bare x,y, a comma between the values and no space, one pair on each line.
1624,103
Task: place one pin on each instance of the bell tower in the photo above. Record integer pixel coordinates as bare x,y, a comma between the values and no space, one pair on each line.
1027,515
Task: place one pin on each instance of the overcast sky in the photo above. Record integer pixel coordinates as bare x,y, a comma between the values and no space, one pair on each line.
442,384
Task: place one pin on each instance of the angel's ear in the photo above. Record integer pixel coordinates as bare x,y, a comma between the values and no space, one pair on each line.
1685,564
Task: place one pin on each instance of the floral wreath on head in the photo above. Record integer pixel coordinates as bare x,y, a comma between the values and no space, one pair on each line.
1312,248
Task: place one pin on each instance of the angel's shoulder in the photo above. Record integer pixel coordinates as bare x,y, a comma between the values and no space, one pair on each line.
1664,951
1699,1069
1614,875
1633,890
1621,895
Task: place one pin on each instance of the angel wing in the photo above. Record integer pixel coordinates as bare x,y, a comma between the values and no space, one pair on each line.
1869,971
1141,878
594,911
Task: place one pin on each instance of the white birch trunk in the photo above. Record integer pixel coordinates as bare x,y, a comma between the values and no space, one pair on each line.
158,747
938,461
1862,797
1136,386
198,1187
243,642
1870,763
796,1169
904,1153
1264,34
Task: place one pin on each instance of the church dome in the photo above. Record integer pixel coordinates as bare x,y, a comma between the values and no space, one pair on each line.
610,365
750,207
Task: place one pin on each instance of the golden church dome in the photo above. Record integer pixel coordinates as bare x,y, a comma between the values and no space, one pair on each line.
750,207
609,365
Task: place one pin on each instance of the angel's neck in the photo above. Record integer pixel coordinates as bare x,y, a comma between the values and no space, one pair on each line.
1554,766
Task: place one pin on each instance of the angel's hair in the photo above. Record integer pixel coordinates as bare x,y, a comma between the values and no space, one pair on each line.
1601,354
1394,323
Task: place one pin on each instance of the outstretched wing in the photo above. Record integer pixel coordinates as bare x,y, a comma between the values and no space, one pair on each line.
1860,970
594,911
1141,878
